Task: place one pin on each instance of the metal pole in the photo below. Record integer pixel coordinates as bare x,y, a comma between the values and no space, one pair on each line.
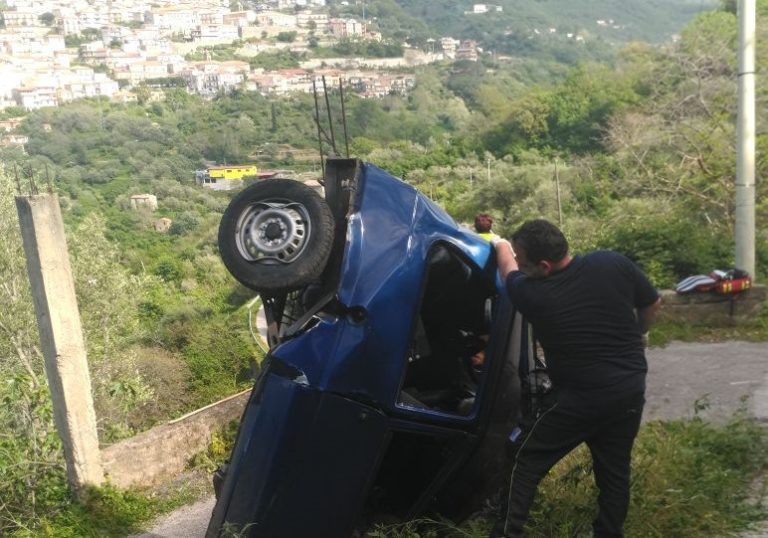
745,142
319,130
344,115
559,203
330,118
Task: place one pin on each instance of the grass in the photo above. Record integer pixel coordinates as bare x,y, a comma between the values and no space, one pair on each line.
110,512
691,479
107,512
755,330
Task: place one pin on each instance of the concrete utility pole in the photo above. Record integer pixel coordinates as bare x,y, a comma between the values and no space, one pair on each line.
61,336
745,143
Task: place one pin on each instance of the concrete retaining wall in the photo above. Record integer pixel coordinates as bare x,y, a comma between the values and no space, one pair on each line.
166,450
712,309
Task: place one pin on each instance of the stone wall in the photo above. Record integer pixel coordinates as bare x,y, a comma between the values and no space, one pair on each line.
166,450
713,309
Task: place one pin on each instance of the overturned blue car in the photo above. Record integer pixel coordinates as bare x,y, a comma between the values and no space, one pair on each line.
371,405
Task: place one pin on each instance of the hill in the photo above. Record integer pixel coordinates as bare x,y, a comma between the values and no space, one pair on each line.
622,20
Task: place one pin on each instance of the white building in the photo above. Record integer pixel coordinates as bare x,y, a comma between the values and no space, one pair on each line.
275,18
144,200
211,78
33,97
21,18
304,18
485,8
239,18
215,33
449,44
173,19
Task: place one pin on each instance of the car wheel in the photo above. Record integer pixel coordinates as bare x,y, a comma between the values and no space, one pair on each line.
276,235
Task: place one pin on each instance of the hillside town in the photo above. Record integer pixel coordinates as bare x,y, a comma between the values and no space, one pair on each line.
55,52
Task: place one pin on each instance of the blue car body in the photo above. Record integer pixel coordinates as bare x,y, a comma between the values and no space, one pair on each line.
346,426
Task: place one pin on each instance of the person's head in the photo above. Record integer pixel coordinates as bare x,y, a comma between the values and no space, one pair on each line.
540,248
483,223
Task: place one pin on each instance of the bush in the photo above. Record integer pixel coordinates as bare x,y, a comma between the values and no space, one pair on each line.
169,269
666,244
33,480
287,37
184,223
220,358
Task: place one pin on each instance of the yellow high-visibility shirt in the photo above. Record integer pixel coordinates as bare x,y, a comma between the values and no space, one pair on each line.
487,235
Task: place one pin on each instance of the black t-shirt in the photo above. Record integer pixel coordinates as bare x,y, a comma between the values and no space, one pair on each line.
584,317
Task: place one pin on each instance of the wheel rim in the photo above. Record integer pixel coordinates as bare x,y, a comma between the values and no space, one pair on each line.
272,232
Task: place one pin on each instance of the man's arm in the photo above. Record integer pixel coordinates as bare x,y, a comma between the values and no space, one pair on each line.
646,316
505,258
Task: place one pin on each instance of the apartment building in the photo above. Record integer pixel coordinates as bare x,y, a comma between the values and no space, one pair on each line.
346,27
215,33
21,18
211,78
275,18
467,50
303,18
239,18
173,19
32,97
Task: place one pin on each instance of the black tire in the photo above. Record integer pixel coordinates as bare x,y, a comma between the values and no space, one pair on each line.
276,235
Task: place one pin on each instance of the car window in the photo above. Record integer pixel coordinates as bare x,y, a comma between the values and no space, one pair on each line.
445,358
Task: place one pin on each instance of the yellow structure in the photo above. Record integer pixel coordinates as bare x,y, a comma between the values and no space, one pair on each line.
234,171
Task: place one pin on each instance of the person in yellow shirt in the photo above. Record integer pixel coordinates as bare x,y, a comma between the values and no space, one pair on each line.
483,224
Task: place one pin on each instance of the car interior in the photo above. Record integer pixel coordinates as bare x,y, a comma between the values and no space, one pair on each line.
451,328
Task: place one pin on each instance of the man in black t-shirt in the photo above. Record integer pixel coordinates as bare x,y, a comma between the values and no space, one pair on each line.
590,314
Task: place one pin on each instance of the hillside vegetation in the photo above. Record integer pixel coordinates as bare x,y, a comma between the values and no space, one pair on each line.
508,30
640,148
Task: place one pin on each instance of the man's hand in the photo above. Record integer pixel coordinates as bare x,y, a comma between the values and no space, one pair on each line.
505,257
646,316
646,340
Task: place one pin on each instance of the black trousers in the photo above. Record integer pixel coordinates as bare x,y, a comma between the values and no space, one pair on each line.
607,426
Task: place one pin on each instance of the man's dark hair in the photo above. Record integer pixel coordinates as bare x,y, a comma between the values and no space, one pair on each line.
541,240
483,223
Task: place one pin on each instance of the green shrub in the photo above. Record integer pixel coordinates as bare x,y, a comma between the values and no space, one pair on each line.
33,480
169,269
666,244
219,357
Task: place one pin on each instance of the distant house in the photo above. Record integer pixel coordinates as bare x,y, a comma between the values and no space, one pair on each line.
10,124
226,177
139,201
478,9
304,18
275,18
229,176
448,44
467,50
14,140
346,27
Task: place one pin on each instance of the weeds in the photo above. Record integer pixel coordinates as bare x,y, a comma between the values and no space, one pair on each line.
222,441
691,479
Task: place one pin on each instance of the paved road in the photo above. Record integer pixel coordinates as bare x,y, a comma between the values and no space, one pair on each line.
721,377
